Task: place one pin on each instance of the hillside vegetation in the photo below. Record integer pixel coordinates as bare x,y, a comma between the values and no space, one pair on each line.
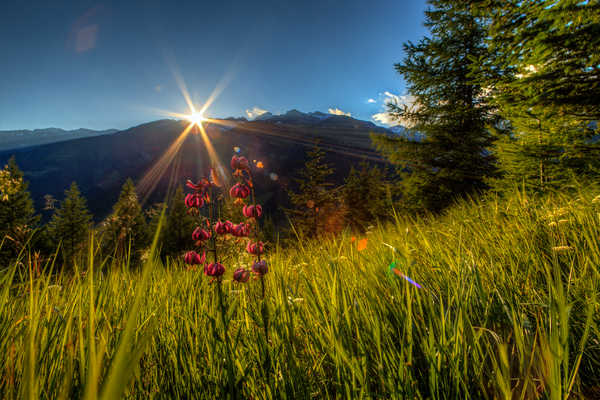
504,305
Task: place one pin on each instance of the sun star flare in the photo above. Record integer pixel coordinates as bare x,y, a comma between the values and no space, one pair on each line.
196,118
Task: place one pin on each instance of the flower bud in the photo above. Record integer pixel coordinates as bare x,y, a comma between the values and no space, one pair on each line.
260,267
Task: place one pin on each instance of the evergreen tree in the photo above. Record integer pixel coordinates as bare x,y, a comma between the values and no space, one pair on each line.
448,154
152,214
543,71
178,227
17,215
126,229
367,196
70,223
544,54
315,197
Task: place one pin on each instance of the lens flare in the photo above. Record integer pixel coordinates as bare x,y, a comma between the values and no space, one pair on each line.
196,118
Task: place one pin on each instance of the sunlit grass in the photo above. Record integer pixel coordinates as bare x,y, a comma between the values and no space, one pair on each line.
508,308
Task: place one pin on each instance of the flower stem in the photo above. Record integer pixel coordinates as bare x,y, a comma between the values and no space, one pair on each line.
213,235
265,317
230,372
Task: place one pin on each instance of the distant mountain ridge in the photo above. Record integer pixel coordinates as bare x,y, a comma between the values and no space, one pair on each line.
26,138
100,164
319,119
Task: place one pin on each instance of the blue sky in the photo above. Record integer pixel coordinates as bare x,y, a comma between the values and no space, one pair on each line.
113,64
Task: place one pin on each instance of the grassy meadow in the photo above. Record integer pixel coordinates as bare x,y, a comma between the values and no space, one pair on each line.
508,307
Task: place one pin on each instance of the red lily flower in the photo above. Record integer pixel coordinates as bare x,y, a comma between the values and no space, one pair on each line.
222,228
252,211
194,200
239,163
201,186
239,191
193,258
240,230
200,234
260,267
214,269
241,275
255,248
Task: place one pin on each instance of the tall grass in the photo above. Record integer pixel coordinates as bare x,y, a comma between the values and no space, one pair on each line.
509,308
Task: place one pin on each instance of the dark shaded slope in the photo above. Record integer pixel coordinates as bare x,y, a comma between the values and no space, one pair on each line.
101,164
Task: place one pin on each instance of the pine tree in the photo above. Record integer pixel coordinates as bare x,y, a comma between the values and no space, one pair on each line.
70,223
543,71
315,198
179,225
126,230
153,214
544,54
17,215
367,196
448,154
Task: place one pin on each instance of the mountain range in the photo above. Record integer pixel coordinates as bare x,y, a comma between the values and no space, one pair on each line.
102,162
27,138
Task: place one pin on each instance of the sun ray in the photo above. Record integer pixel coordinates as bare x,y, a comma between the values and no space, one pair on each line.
212,154
182,87
299,140
197,121
168,113
151,179
223,83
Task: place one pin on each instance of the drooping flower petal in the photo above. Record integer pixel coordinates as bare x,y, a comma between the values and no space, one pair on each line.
201,186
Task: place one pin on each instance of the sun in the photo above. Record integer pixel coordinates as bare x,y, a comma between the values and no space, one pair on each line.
196,118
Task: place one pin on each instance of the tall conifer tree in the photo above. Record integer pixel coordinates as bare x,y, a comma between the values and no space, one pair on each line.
367,196
543,71
126,228
70,223
178,227
17,215
449,154
315,195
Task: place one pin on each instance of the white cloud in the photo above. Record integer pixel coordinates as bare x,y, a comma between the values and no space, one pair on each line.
371,101
385,118
255,112
337,111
